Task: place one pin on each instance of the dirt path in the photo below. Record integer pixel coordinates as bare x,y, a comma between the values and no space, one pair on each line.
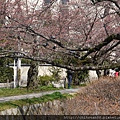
32,95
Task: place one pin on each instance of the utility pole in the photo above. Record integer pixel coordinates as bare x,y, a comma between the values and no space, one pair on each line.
15,72
17,68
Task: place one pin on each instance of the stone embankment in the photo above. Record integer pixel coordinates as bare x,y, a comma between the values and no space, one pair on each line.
56,107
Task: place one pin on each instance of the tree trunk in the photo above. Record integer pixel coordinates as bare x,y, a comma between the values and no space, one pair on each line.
98,73
32,82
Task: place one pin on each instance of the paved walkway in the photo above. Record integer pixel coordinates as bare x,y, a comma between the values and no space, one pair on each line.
32,95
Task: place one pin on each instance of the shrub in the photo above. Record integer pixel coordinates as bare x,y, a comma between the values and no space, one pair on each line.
55,73
6,73
80,76
45,80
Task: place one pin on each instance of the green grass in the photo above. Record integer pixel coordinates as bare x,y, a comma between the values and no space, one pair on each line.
83,84
78,86
22,91
23,102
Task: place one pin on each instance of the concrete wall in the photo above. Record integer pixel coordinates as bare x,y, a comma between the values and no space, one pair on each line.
7,85
42,70
92,75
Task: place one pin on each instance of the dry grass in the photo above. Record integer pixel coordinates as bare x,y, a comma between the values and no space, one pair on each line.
99,98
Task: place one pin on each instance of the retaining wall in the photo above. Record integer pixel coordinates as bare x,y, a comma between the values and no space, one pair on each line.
56,107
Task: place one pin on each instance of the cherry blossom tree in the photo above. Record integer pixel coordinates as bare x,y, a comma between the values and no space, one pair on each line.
84,33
